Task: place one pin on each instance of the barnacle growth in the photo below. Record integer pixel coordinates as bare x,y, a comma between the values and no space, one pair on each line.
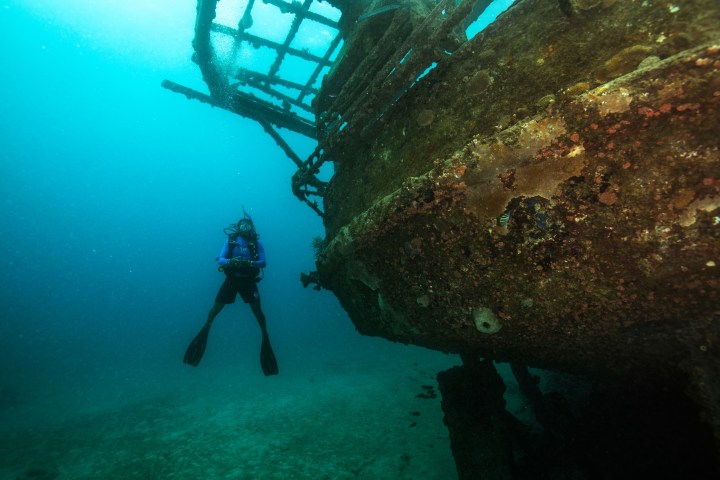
486,321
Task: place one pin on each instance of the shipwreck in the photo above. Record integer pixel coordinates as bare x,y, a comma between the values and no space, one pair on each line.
544,193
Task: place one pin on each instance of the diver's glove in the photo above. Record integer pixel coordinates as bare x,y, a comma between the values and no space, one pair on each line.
239,263
234,264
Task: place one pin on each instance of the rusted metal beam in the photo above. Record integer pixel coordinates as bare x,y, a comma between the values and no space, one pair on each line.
250,107
264,42
298,9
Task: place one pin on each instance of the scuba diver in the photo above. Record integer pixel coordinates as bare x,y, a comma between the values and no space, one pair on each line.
241,258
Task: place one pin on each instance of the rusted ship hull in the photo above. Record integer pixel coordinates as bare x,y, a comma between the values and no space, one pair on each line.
568,219
547,195
585,238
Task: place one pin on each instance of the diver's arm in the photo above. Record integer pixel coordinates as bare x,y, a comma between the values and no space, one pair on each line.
224,253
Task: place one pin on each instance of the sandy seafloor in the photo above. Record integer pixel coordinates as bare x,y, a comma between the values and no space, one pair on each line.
358,419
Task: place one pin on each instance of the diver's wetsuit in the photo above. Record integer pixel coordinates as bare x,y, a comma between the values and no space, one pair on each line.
240,280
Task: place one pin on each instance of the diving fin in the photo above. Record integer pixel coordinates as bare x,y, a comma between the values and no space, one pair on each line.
195,350
267,357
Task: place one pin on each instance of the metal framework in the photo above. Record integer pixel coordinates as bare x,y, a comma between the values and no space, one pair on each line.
409,44
265,96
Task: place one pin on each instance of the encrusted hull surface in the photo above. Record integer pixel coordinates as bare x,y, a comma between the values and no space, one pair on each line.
551,198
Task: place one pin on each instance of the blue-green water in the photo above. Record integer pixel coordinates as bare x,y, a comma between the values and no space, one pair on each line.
115,193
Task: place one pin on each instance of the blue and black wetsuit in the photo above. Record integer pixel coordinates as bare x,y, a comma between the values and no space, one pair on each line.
243,251
240,280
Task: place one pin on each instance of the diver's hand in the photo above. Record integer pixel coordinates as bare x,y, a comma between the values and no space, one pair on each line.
229,266
238,262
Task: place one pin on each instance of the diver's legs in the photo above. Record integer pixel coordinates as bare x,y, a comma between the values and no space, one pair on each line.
216,308
259,315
